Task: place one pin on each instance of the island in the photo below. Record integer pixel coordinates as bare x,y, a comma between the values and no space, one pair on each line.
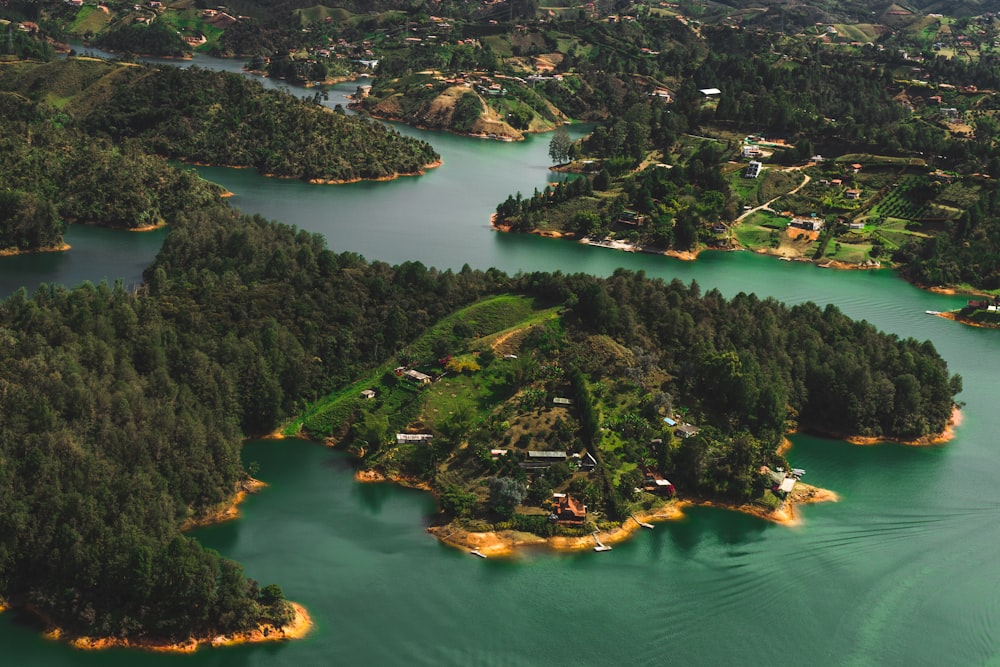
89,142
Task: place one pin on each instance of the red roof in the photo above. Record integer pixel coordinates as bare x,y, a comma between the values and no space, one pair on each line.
569,505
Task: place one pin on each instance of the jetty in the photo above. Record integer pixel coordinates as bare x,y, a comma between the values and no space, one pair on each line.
600,545
642,523
477,552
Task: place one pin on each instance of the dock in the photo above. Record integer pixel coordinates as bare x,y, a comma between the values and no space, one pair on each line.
642,523
477,552
600,545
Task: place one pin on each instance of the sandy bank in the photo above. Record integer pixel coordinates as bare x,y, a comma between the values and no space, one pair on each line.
299,627
506,543
376,477
946,435
10,252
148,228
956,316
924,441
334,181
226,511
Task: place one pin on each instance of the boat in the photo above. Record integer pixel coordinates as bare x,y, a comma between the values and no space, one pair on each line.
477,552
933,312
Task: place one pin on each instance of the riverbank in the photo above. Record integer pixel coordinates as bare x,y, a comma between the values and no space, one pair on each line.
226,511
12,252
299,627
394,176
507,543
948,434
956,316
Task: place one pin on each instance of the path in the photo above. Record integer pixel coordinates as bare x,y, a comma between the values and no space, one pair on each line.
766,206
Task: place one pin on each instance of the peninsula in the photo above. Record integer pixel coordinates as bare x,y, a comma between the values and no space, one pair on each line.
572,421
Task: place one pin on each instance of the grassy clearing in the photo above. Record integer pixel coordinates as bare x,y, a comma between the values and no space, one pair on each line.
483,319
89,19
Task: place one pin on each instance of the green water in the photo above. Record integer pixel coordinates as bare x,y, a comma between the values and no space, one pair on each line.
902,571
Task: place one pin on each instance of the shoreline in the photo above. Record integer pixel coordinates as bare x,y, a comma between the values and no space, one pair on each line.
947,435
299,627
317,181
507,543
13,252
954,316
226,511
147,228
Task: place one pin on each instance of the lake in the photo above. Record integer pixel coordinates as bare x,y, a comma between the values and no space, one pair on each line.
901,571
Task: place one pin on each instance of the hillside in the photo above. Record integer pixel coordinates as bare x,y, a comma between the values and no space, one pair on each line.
217,118
505,402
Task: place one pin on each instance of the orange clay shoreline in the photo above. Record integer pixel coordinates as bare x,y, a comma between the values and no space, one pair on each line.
226,511
955,317
321,181
299,627
10,252
506,543
924,441
685,255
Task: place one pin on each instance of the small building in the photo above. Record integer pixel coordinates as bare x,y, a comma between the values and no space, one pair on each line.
751,150
368,394
559,400
753,169
808,224
656,483
856,224
631,218
541,460
853,194
568,510
856,167
686,431
417,376
586,463
413,438
497,453
710,92
669,421
547,455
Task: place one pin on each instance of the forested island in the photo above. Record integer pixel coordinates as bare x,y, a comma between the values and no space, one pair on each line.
125,409
87,141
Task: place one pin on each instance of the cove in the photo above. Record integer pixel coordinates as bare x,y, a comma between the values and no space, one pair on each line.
901,571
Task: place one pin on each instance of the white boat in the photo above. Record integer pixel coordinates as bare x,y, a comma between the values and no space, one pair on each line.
933,312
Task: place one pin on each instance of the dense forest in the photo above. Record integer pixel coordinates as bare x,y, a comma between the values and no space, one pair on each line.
218,118
53,174
100,156
125,413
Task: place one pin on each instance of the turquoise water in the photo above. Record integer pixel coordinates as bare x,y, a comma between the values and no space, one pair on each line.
901,571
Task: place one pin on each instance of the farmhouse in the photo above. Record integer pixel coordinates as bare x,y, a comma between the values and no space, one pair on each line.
568,510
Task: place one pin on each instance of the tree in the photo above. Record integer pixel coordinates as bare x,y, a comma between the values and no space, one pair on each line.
560,145
457,502
506,493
